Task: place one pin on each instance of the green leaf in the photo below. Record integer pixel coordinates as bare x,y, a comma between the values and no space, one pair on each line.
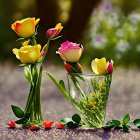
72,125
109,123
108,127
21,121
136,122
126,119
22,65
39,80
76,118
118,127
66,120
27,115
26,125
63,91
116,122
61,82
17,111
28,74
126,128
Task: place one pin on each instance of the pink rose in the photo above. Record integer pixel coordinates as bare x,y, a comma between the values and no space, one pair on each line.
70,52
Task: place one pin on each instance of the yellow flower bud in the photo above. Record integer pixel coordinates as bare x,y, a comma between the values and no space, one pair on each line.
26,27
28,54
99,66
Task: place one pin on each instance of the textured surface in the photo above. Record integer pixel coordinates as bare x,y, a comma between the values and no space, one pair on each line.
124,98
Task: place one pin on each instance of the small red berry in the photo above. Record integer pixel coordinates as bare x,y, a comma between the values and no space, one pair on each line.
59,125
48,124
12,124
34,127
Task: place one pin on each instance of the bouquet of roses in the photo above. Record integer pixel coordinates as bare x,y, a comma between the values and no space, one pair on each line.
87,93
32,56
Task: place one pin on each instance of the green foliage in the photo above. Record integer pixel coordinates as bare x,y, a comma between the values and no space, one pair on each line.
114,35
60,85
137,123
116,124
23,120
72,122
76,118
19,113
126,119
66,120
61,82
28,74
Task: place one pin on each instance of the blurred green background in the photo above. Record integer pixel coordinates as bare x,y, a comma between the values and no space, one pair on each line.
109,28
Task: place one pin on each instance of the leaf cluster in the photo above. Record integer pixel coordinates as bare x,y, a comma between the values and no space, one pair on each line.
72,122
19,113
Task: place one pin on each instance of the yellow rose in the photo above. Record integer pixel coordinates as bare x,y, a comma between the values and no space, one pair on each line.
28,54
99,66
25,27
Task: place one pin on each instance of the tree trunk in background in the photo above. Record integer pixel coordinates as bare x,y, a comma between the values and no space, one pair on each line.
47,12
78,19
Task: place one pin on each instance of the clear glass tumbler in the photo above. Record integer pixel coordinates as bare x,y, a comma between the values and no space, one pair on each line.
89,95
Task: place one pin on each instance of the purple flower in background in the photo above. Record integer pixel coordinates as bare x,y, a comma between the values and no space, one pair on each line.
99,41
106,7
99,38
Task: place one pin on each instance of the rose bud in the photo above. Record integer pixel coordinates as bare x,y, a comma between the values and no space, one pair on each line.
68,68
26,27
12,124
48,124
59,125
43,51
34,127
110,67
99,66
70,52
28,54
53,32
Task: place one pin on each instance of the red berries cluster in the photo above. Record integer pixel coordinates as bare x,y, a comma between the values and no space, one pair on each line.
46,124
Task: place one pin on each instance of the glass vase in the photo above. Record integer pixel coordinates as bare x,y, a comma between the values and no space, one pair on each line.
89,95
33,104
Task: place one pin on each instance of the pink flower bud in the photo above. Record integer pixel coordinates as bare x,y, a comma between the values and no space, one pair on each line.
53,32
43,51
68,68
110,67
